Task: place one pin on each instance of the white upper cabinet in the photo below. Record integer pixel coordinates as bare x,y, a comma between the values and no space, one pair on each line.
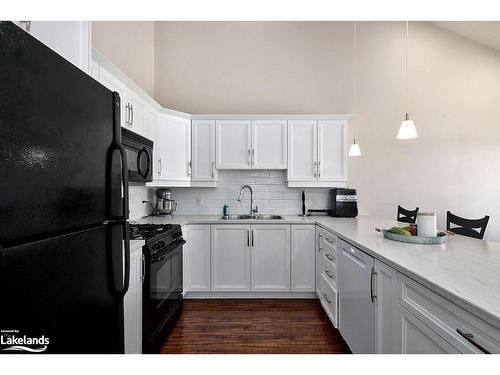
230,258
150,117
133,108
302,150
203,150
234,143
270,254
70,39
303,258
245,144
132,113
317,153
332,163
172,151
269,144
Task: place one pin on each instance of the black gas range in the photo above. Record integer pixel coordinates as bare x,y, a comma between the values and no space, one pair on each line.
162,284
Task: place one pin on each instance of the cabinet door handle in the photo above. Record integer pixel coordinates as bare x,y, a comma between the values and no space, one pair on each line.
27,25
159,167
372,296
326,298
253,156
131,114
314,169
248,238
249,157
329,257
189,169
213,167
252,237
319,169
470,338
329,240
329,274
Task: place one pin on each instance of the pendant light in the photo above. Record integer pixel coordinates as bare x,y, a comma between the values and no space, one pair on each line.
354,150
407,129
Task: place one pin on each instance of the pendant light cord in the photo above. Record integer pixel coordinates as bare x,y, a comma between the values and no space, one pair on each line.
355,76
406,72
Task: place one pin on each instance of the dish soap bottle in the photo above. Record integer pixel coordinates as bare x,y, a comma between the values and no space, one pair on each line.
225,210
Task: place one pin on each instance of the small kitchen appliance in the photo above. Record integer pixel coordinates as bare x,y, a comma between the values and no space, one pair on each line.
343,202
165,205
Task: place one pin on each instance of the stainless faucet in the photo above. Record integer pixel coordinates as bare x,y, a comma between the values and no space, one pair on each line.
252,210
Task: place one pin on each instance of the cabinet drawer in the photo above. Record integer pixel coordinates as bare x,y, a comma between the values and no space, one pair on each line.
328,299
448,320
328,241
329,269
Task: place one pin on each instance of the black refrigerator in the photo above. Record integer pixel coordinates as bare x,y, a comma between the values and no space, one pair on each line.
64,242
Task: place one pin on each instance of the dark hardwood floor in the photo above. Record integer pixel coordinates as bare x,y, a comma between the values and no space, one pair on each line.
257,326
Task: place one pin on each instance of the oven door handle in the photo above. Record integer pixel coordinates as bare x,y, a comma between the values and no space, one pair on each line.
167,251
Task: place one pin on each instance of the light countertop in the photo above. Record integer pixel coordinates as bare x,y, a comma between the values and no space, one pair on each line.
464,270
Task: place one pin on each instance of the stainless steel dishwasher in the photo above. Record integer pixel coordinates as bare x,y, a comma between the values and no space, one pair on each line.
357,301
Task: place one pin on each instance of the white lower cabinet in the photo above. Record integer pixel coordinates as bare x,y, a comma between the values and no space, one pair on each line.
197,259
417,338
270,258
440,321
303,278
132,305
230,258
386,309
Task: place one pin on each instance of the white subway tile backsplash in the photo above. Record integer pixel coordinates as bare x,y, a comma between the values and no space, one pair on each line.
271,195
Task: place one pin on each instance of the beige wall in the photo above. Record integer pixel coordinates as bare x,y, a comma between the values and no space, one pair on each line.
254,67
130,46
454,94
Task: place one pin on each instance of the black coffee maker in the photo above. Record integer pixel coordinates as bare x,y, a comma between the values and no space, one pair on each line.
343,202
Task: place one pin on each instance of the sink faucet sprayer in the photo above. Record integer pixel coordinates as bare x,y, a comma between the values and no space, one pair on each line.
252,210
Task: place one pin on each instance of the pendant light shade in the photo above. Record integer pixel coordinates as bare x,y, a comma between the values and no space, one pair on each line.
354,150
407,129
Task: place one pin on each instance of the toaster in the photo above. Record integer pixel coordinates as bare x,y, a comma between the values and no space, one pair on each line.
342,202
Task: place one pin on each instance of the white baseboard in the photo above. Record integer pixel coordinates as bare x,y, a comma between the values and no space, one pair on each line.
248,295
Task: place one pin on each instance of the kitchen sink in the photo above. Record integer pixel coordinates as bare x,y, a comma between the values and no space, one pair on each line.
236,217
268,217
248,217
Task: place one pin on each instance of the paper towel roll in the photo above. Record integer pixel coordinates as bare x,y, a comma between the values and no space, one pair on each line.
426,224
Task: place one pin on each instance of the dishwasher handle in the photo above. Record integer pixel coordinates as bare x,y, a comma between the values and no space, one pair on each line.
372,288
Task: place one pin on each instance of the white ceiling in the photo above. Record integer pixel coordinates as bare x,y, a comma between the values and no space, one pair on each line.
485,32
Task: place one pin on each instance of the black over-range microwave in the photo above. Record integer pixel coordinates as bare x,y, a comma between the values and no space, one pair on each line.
139,152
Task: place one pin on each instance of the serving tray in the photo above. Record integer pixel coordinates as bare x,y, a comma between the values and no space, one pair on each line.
440,239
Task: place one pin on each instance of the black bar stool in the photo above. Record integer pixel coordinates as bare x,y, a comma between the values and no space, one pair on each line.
467,227
407,216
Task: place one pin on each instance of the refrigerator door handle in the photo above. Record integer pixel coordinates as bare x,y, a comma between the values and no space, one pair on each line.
126,275
117,146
